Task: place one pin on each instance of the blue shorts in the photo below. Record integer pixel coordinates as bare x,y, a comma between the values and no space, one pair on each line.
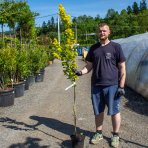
105,95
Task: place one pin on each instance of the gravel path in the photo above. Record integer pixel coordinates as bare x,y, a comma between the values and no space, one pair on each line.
43,118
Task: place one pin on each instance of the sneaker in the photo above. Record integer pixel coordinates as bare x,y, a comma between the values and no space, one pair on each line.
96,138
115,141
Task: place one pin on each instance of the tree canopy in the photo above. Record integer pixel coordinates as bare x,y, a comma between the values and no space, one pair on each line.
18,16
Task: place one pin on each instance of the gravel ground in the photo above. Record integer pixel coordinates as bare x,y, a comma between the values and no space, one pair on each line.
43,117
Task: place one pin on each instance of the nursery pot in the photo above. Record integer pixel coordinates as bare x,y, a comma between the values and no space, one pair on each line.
26,84
77,140
42,71
19,89
50,62
7,97
31,80
39,77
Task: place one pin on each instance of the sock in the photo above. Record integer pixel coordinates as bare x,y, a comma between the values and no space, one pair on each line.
115,134
99,131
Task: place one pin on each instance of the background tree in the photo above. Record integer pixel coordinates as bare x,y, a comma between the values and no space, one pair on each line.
21,21
129,10
128,22
26,23
44,28
5,7
143,21
143,5
135,8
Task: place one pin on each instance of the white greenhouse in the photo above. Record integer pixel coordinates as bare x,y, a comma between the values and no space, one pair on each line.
135,49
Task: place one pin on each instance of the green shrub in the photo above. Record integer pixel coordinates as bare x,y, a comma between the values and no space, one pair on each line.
7,65
22,65
37,58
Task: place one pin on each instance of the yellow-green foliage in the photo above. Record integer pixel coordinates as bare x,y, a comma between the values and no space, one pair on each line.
56,49
66,49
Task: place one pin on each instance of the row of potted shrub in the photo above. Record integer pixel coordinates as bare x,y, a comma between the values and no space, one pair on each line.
19,67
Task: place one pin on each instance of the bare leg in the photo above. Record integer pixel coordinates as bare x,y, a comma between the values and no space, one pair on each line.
99,121
116,122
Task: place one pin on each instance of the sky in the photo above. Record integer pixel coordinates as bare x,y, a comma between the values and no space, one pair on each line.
77,7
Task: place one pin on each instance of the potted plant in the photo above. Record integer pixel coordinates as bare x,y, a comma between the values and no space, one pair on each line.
50,52
43,62
7,67
22,68
38,59
50,57
67,54
21,72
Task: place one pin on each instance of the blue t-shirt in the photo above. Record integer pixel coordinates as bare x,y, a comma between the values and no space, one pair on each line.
105,61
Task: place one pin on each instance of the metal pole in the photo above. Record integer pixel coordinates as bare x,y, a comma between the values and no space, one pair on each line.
86,35
76,33
59,40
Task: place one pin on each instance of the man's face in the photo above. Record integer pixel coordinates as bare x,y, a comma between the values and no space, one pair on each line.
103,32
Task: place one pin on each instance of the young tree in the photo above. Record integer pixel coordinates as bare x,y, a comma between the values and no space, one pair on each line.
67,53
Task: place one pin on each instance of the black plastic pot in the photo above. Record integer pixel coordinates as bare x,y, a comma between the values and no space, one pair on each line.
7,97
39,77
31,80
77,141
26,84
42,71
19,89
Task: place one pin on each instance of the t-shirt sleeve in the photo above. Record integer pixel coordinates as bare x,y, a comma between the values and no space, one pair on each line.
120,55
89,56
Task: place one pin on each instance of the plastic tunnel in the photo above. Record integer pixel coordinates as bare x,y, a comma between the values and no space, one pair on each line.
135,49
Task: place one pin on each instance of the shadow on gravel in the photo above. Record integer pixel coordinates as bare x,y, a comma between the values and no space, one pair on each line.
15,125
63,128
54,124
29,143
50,123
134,143
136,102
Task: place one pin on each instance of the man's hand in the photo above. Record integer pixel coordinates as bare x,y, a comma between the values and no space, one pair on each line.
78,73
120,92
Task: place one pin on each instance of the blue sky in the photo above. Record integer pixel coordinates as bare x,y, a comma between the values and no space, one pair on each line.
77,7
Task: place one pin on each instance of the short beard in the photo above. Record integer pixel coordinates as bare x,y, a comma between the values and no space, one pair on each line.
102,40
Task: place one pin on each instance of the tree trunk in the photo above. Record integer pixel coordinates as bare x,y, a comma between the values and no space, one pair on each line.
20,37
10,38
74,111
14,31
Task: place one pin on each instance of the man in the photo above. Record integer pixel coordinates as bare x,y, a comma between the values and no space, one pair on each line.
107,62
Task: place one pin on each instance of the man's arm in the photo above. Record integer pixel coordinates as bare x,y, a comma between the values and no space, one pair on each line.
122,69
87,68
